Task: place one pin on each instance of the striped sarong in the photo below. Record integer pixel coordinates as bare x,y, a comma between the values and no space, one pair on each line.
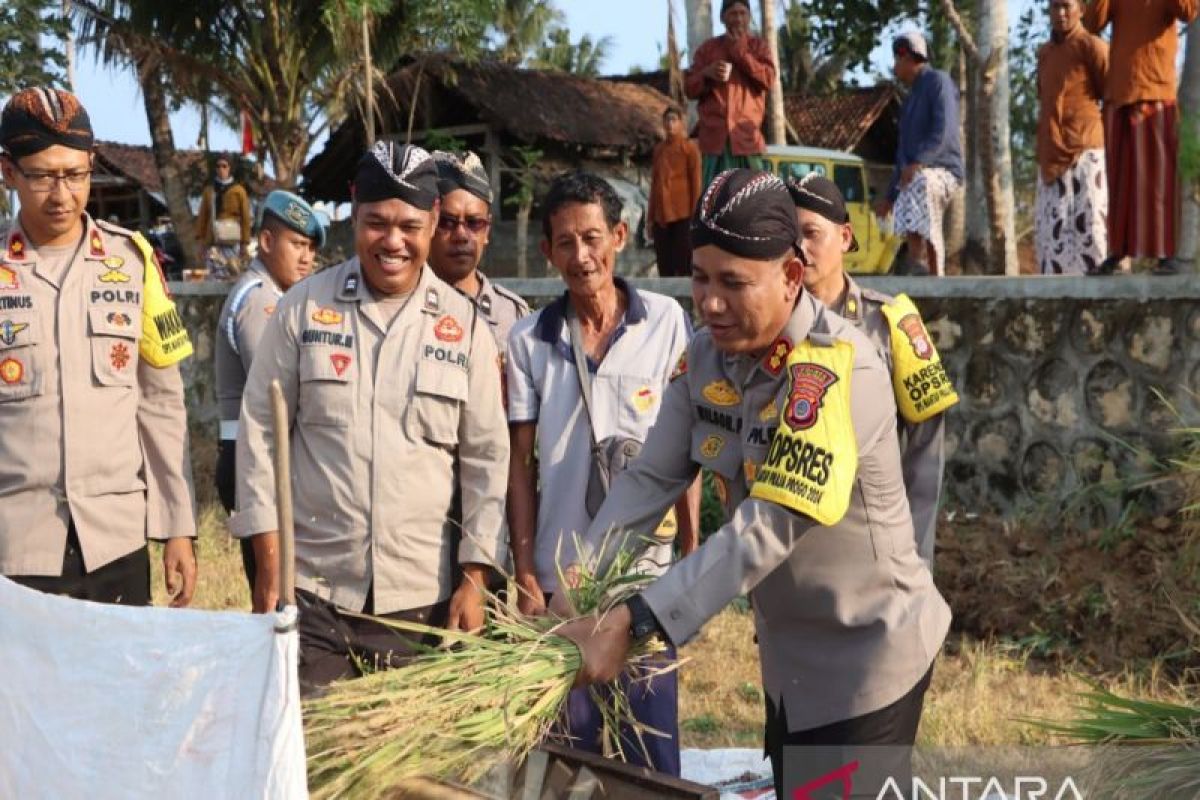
1141,142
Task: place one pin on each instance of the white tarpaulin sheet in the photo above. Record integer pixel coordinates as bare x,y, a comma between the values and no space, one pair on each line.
104,701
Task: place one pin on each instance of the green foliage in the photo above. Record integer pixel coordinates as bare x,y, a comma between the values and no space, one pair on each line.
440,140
24,59
1189,149
525,175
584,57
712,515
520,27
705,723
852,28
1028,34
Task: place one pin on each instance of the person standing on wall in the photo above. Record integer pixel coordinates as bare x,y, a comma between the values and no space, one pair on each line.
223,226
730,76
674,191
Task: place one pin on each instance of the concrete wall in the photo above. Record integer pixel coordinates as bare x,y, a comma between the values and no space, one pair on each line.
1057,378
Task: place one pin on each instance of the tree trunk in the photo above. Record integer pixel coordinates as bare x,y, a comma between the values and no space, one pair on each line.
1189,106
975,240
369,82
776,121
154,98
523,212
69,46
996,137
699,24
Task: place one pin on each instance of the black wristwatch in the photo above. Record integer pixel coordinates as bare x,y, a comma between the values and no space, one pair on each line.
642,622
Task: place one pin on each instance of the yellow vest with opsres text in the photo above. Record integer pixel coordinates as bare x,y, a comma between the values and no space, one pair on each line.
813,457
164,339
923,389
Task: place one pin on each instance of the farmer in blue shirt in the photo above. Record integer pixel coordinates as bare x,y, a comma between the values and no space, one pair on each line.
929,162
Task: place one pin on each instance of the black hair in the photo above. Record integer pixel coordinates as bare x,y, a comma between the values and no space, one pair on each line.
580,187
672,110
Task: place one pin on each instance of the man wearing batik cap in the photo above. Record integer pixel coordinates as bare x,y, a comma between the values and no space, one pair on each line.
391,381
94,447
789,406
922,389
463,225
929,161
289,235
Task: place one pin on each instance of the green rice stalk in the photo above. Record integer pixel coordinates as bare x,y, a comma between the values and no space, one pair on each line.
480,699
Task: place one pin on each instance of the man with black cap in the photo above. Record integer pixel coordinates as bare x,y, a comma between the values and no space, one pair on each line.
929,161
289,235
922,389
94,446
790,407
464,222
398,428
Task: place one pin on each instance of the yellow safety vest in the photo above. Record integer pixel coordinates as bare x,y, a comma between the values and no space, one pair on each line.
813,457
164,339
923,389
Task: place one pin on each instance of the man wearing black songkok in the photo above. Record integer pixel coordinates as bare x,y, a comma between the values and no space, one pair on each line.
790,407
399,429
463,225
93,428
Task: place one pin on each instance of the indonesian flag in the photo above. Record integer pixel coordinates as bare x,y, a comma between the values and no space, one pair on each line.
247,134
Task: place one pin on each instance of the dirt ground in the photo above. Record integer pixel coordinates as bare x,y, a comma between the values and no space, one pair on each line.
1104,600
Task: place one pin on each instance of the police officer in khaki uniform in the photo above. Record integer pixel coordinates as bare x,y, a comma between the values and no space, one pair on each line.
95,447
391,382
463,225
790,407
289,235
827,236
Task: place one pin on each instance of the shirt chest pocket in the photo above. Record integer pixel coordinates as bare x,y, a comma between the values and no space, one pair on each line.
325,391
20,375
113,333
440,394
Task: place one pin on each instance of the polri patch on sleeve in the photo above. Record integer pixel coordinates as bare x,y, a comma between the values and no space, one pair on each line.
919,380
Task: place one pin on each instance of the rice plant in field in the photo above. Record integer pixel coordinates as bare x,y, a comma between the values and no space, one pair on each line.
479,700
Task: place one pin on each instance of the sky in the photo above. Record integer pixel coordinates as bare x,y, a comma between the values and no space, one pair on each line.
638,31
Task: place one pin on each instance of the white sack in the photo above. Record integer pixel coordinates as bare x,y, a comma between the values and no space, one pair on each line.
105,701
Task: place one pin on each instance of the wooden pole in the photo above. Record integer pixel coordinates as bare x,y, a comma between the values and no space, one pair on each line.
283,498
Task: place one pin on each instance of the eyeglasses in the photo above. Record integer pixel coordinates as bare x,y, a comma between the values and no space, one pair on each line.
472,224
46,181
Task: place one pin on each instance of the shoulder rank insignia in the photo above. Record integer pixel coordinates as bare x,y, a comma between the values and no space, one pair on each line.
96,244
432,301
16,247
777,356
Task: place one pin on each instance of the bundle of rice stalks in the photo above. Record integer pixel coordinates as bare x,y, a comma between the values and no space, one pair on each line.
454,713
1148,748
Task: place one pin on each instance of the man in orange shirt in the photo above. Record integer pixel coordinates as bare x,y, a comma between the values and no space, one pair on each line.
730,76
1070,237
674,191
1141,126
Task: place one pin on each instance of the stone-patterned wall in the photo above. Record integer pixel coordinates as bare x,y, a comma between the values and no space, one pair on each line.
1057,378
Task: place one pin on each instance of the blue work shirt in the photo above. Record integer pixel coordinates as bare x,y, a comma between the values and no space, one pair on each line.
929,129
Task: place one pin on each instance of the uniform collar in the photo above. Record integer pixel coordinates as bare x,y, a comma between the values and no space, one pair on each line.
550,324
260,269
797,328
18,249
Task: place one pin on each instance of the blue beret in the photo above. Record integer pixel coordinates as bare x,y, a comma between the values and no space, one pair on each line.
293,212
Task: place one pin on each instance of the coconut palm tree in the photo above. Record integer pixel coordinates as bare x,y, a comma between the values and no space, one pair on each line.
521,26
